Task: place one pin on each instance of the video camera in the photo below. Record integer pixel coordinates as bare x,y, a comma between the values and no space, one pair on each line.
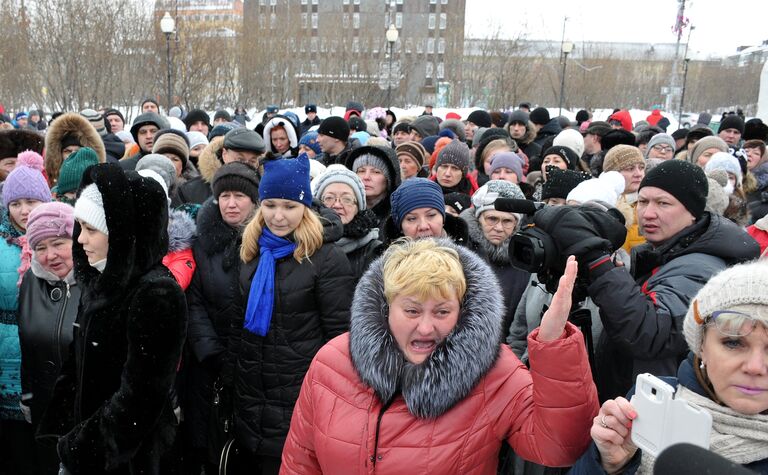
534,250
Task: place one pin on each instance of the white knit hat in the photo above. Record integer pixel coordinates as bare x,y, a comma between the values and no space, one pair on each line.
484,198
725,161
741,285
337,173
607,188
89,207
572,139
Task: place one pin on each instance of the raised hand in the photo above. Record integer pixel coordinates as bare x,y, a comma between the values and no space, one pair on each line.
611,431
553,321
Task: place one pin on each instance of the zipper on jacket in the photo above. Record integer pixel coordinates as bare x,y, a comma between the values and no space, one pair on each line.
375,456
62,312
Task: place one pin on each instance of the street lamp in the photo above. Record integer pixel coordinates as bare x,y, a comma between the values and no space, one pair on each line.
566,50
167,26
392,35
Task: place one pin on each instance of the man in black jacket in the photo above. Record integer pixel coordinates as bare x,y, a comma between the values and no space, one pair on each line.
311,120
143,130
333,135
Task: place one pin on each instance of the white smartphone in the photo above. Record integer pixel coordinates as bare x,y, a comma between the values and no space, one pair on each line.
663,420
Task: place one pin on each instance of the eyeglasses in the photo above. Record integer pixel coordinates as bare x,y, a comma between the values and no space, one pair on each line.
329,200
727,322
663,148
506,223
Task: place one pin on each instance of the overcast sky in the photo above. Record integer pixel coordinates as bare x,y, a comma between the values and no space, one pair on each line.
720,26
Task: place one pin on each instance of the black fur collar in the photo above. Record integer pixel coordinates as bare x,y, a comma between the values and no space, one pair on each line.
213,234
457,364
360,225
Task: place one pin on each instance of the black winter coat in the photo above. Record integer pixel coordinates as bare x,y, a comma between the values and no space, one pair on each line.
312,306
361,242
112,407
47,310
643,313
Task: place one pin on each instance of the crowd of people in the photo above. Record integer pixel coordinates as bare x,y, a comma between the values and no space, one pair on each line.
352,294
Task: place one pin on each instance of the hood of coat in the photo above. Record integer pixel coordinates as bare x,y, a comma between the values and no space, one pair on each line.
387,154
78,126
213,234
454,367
208,161
455,228
181,231
136,210
550,128
712,234
290,130
498,255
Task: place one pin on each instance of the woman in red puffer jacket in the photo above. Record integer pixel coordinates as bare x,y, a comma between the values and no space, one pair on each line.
421,384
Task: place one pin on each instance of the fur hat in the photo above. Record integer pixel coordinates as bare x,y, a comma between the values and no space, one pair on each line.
338,173
288,179
172,141
72,170
26,181
572,139
741,287
416,193
237,176
683,180
622,156
455,153
484,198
89,207
15,141
49,220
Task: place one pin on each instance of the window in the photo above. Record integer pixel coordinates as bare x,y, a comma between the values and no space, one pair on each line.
261,21
444,2
430,45
314,21
440,71
345,21
441,46
314,2
408,45
428,73
432,21
346,2
355,20
263,2
356,2
272,20
433,2
313,45
304,20
356,44
398,20
420,46
303,2
273,2
443,20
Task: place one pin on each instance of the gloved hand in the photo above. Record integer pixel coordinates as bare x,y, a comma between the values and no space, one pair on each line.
573,232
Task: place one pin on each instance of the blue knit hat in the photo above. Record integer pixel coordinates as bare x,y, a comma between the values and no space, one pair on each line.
288,179
310,140
416,193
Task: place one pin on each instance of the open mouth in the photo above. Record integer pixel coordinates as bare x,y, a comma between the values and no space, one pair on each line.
423,346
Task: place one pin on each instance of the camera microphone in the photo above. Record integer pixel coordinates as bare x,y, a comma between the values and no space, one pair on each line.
512,205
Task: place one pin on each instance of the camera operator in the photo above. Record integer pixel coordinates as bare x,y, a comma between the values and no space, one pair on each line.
643,312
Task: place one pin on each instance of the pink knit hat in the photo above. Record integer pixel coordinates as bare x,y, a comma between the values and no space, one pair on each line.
50,220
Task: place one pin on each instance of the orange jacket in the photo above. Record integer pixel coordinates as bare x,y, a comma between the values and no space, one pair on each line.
182,265
544,414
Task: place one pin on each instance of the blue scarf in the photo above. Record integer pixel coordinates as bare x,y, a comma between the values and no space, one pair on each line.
261,298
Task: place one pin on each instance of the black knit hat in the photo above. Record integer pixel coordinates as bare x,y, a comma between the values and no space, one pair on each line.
197,115
731,122
582,116
402,127
114,112
560,182
222,114
236,176
334,126
683,180
480,118
459,201
564,152
357,124
539,116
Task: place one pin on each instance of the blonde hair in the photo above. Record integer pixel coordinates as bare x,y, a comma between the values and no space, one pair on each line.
493,147
308,236
423,269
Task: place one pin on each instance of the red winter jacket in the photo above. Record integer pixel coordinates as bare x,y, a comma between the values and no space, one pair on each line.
545,415
182,266
760,235
623,117
654,117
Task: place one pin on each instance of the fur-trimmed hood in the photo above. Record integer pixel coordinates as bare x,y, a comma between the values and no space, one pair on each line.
530,134
70,123
181,231
497,255
208,161
290,130
136,211
456,365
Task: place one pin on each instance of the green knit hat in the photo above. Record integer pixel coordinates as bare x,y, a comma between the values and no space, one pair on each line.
73,168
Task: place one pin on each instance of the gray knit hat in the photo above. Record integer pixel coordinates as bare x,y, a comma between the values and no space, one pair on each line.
660,139
705,144
159,164
368,159
455,153
741,285
338,173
